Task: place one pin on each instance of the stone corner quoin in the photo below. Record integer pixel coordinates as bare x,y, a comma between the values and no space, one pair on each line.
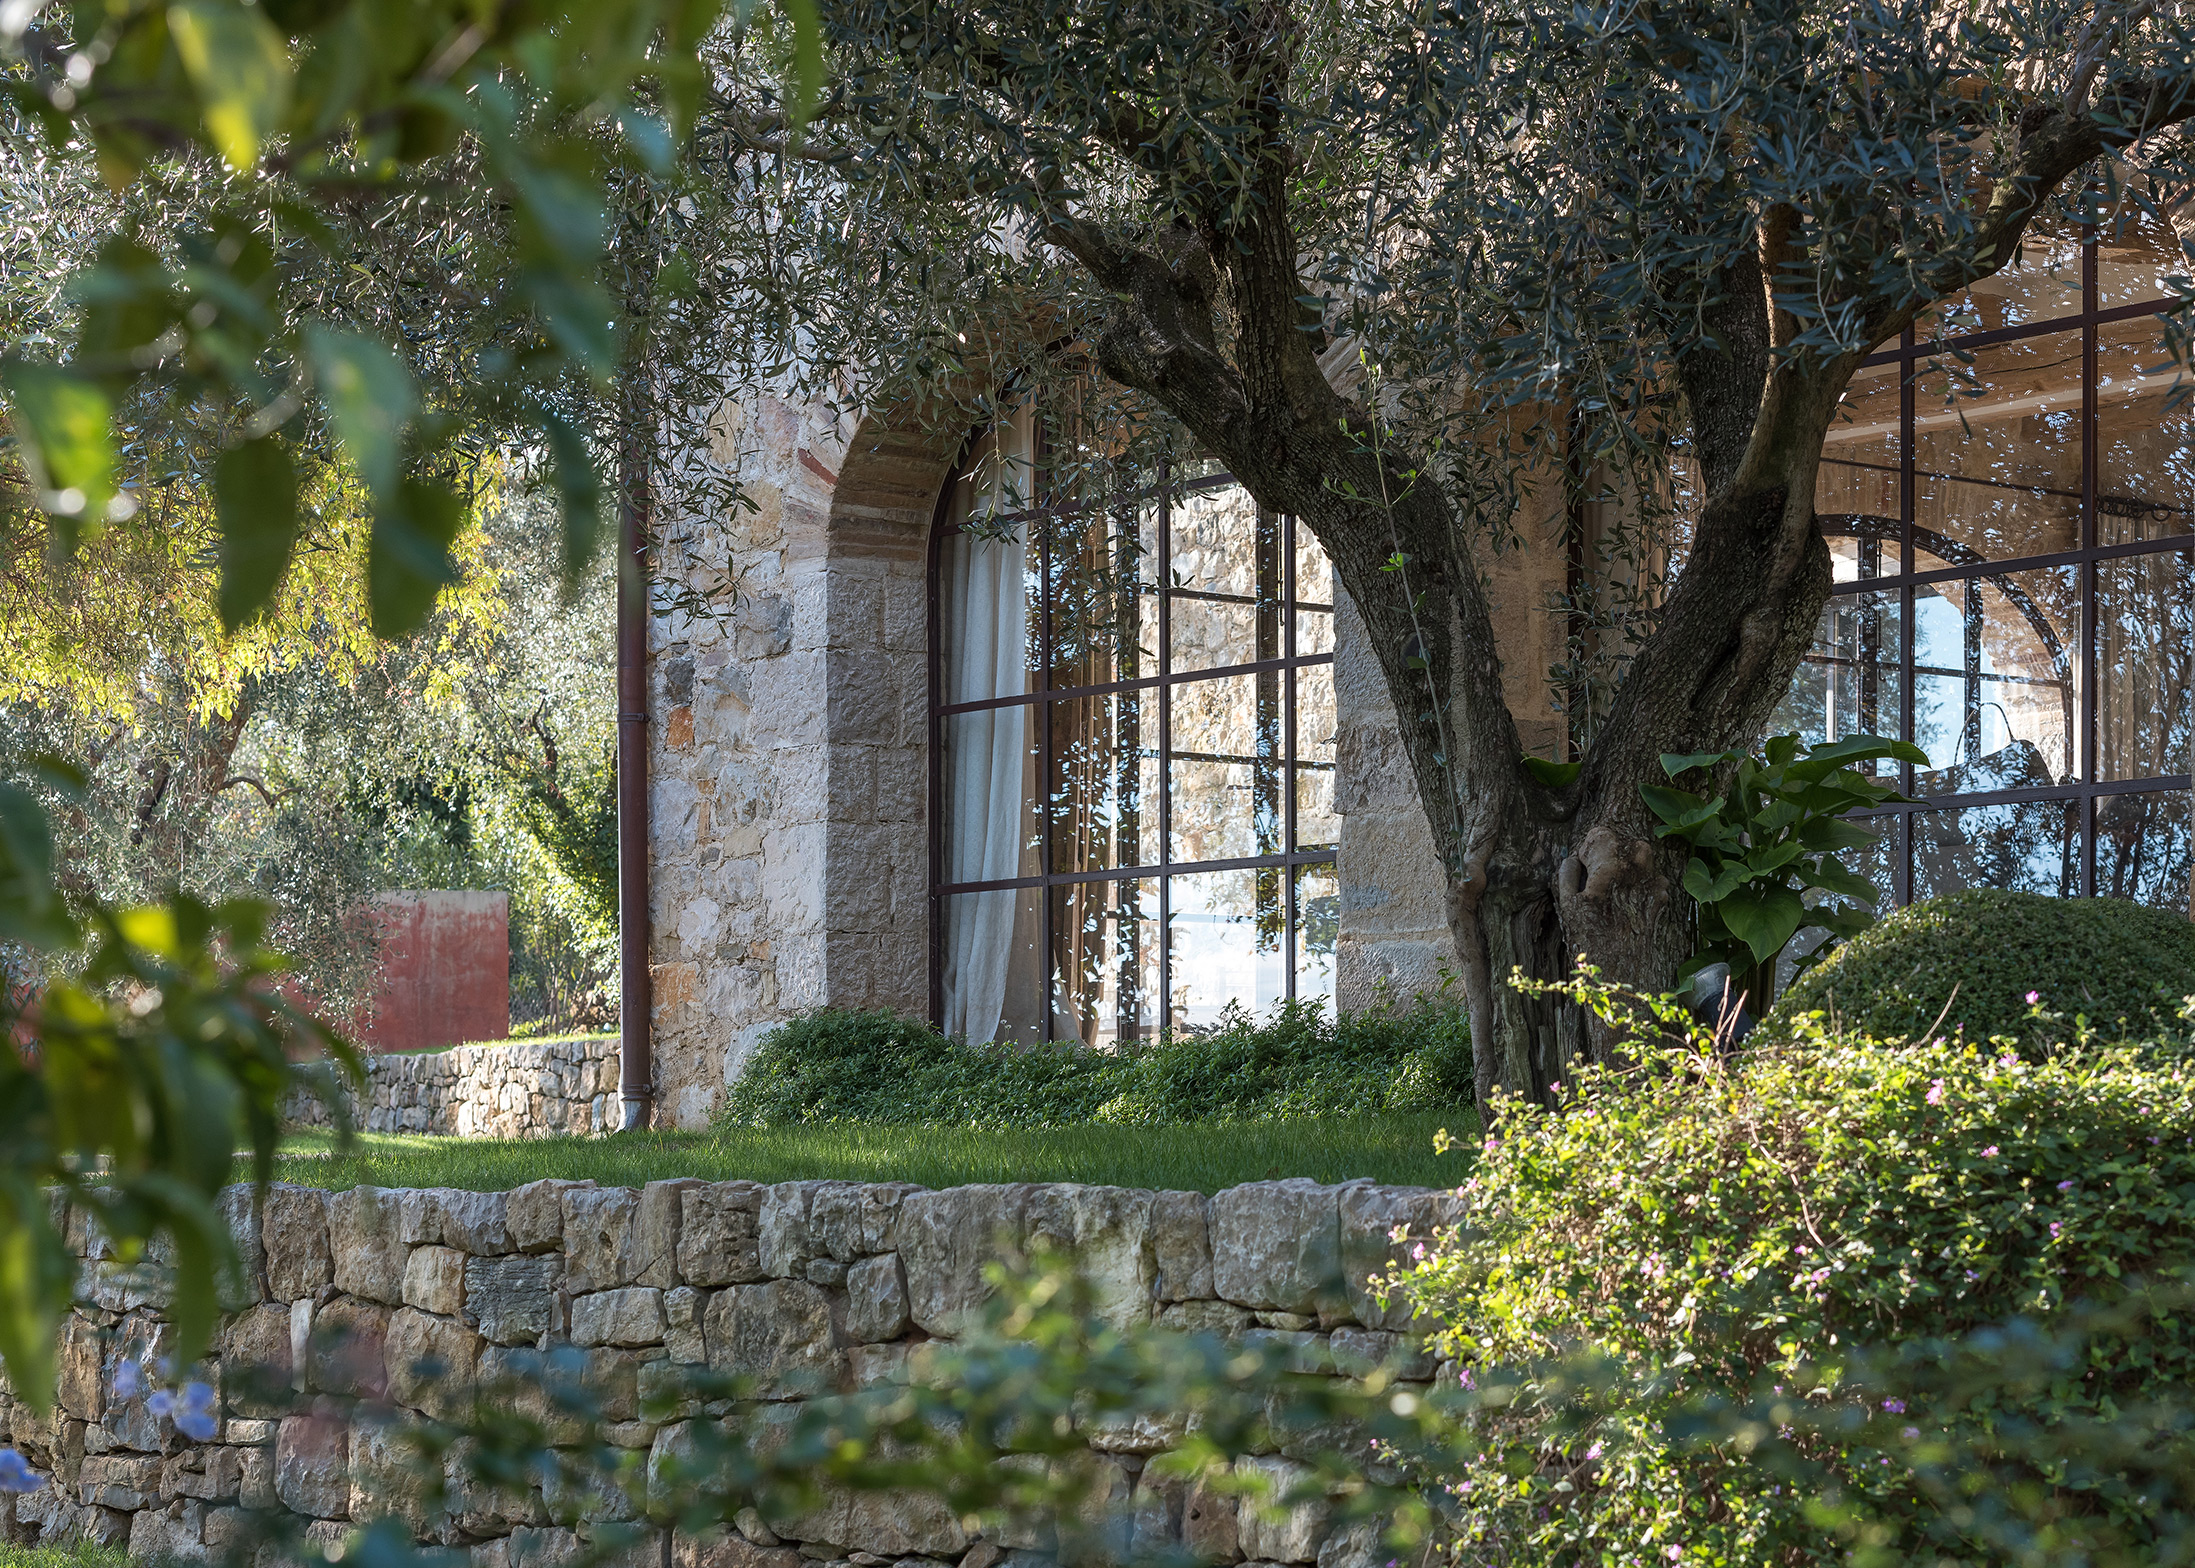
801,1288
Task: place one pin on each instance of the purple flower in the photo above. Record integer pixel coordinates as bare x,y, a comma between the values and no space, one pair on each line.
129,1377
1912,1432
196,1419
2053,1227
16,1475
1895,1406
2065,1186
1990,1153
1935,1092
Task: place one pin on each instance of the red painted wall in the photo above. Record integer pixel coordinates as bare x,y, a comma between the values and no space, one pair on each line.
445,971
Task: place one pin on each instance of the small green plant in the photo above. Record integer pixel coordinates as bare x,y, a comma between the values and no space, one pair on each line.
1767,840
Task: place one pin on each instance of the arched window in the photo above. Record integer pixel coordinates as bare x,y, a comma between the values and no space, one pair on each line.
2016,581
1132,744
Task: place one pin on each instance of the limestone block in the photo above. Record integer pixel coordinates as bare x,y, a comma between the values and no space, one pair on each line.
1181,1245
209,1472
473,1222
119,1481
778,1334
1273,1529
346,1354
255,1360
511,1300
944,1239
658,1226
1299,1350
1155,1518
869,1365
434,1280
1370,1217
728,1549
783,1244
312,1467
293,1229
1359,1350
366,1240
534,1214
897,1524
1276,1245
80,1385
1107,1230
614,1378
432,1362
601,1238
244,1282
683,1335
835,1214
1210,1525
1356,1545
387,1480
876,1300
255,1478
550,1546
632,1316
1205,1317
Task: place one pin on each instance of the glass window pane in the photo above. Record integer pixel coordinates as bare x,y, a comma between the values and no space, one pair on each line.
1102,814
1314,573
2133,261
1849,681
1317,825
1856,489
1225,571
1103,621
1105,961
2042,283
1225,785
991,835
988,637
1997,453
2032,847
2145,665
993,971
2145,438
2143,846
1225,942
1314,631
1318,928
1994,695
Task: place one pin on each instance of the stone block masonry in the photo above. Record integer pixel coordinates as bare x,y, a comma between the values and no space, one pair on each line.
525,1089
798,1288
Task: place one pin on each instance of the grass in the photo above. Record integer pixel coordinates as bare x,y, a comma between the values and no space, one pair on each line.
515,1039
1202,1157
76,1554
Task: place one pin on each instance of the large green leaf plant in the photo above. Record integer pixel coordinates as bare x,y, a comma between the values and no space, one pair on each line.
1766,845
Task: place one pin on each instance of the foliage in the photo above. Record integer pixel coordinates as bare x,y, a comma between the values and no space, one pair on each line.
1735,1231
1179,1156
878,1066
166,1047
1771,836
1967,962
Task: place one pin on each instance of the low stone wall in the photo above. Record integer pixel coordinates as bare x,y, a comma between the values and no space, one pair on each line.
795,1287
525,1089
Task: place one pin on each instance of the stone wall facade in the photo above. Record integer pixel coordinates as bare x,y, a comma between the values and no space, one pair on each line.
798,1287
526,1089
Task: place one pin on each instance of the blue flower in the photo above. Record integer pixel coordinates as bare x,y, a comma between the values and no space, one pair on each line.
195,1418
161,1403
16,1475
129,1378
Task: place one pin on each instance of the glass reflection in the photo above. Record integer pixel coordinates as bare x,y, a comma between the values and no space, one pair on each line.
1225,944
1318,931
2143,849
1317,825
1993,681
1997,452
1225,784
1856,490
1103,760
2134,257
2031,847
2042,283
1850,680
1105,961
2145,665
2145,436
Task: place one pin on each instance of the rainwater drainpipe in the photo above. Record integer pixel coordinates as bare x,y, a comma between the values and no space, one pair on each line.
636,1057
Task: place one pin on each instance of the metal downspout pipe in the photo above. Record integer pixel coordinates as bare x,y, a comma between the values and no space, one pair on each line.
636,1056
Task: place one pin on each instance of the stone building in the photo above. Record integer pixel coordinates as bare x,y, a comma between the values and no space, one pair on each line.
911,765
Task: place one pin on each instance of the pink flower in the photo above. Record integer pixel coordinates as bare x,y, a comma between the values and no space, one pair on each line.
1676,1554
2053,1227
1935,1092
1990,1153
2033,997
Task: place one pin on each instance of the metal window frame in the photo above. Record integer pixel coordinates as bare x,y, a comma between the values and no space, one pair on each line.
2082,792
1286,864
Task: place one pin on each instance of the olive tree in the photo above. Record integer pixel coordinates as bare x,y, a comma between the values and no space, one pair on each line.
1398,266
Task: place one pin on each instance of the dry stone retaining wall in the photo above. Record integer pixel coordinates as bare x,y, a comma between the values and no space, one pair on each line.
795,1287
525,1089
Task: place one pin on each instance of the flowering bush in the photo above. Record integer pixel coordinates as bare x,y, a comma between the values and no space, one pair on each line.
1734,1232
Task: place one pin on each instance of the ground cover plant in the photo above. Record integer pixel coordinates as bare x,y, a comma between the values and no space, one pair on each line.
1735,1231
837,1064
1969,962
1396,1149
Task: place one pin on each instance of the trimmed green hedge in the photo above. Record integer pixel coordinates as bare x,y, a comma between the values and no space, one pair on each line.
1728,1229
839,1065
2127,969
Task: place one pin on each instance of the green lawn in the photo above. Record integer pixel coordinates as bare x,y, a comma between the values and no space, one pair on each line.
74,1555
1202,1157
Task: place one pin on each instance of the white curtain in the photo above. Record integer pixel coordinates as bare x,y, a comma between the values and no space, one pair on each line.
983,601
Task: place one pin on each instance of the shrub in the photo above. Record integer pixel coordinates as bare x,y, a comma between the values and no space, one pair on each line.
1728,1229
2125,968
878,1066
